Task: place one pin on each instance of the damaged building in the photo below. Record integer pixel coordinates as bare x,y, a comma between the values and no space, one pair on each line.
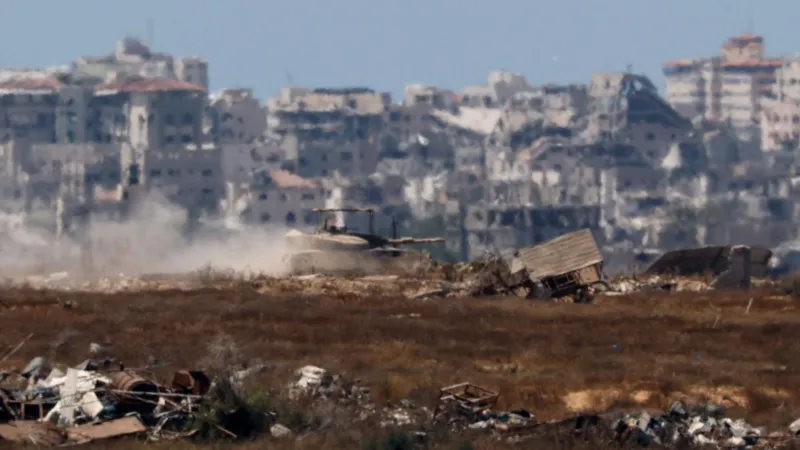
276,197
187,175
327,130
236,116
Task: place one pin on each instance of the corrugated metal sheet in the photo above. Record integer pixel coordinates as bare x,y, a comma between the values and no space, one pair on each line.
564,254
708,260
694,261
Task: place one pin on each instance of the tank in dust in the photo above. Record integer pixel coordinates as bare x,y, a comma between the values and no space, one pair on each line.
332,249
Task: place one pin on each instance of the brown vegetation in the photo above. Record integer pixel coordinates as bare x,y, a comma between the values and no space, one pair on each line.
639,350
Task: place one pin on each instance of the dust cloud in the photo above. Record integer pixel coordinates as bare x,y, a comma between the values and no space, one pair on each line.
151,240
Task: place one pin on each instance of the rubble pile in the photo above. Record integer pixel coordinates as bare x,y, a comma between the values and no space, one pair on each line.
49,407
340,397
627,285
468,406
701,425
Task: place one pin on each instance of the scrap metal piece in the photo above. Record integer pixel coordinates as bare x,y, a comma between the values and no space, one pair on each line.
113,428
193,382
471,400
136,394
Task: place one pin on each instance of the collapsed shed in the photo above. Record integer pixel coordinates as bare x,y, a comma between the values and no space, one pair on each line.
563,266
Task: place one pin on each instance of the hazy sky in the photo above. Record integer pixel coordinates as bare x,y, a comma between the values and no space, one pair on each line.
387,44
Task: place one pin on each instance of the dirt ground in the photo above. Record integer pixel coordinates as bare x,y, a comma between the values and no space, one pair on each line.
640,350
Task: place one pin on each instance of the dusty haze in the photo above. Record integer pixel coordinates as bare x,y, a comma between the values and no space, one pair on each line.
150,241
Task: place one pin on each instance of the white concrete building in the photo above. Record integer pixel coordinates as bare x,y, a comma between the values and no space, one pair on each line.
280,198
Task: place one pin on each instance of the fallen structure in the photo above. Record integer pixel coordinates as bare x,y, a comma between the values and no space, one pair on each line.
568,266
732,266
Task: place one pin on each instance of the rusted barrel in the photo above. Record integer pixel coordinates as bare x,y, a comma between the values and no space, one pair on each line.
135,392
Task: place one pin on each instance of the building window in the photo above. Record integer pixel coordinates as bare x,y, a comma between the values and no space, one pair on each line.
208,191
265,217
650,136
169,139
207,172
133,174
283,198
308,196
263,196
291,219
188,119
187,138
155,173
347,156
169,120
173,172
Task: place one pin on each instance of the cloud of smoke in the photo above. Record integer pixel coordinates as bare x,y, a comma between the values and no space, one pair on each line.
152,240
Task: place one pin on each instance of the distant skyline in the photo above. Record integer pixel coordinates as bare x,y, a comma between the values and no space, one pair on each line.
262,44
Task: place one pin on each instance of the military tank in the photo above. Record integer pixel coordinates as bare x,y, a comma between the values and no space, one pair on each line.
332,249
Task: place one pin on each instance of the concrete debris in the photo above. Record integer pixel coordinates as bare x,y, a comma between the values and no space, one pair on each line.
280,431
703,425
794,427
310,376
657,283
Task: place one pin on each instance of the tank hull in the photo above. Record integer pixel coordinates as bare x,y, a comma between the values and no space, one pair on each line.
344,262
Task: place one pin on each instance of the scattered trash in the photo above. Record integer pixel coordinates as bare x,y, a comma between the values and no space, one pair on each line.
84,404
76,406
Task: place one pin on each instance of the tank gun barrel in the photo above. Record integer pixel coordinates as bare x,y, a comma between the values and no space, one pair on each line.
411,241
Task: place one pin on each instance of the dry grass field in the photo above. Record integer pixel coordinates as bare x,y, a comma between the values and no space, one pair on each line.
633,351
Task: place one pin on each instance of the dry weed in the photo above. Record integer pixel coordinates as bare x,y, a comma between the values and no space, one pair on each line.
643,349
